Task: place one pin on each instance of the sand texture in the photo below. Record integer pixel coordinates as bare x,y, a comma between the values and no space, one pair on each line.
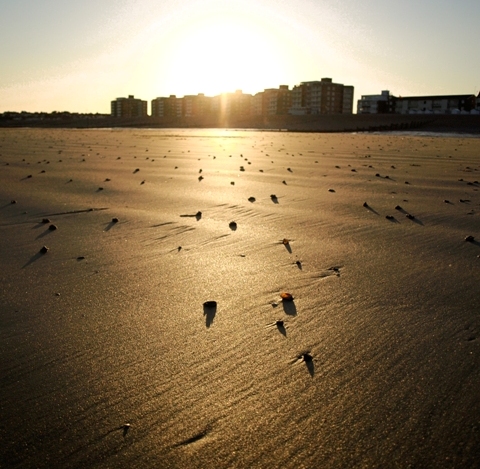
109,357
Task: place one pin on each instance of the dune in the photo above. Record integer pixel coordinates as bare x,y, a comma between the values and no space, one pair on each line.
149,329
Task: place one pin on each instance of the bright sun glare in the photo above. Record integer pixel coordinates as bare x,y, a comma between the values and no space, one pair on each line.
222,54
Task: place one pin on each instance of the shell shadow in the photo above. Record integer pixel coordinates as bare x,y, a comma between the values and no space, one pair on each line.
45,233
110,225
288,247
281,328
417,221
310,367
289,308
33,259
370,209
209,312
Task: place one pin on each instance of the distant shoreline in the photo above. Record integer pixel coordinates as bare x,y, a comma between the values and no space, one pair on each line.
469,124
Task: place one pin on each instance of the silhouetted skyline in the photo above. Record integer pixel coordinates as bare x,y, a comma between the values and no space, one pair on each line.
59,55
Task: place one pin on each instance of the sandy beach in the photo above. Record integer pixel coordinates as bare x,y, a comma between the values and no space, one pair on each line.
109,357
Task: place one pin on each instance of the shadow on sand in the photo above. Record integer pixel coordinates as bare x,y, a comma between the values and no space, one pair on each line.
45,233
370,208
110,225
209,312
281,328
310,367
289,308
33,259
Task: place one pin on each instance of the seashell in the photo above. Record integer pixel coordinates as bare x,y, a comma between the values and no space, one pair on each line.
286,296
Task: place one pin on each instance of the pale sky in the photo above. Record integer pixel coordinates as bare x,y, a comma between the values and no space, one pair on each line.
57,55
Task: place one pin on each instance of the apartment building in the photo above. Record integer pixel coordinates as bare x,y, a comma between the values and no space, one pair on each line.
236,105
197,105
171,107
383,103
445,104
272,101
128,107
321,97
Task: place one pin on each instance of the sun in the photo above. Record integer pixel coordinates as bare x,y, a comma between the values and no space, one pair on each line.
223,53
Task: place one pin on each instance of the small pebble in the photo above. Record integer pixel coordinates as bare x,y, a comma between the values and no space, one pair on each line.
410,216
397,207
279,323
44,250
52,227
251,199
210,304
390,217
232,225
13,202
114,220
365,204
469,238
45,220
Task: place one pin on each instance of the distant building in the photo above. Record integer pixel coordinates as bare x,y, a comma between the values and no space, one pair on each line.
376,103
128,107
233,105
272,101
477,105
197,105
446,104
321,97
171,107
385,103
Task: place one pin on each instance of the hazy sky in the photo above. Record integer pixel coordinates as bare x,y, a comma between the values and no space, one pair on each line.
78,56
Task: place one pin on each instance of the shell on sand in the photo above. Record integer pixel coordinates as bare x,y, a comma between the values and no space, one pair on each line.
286,296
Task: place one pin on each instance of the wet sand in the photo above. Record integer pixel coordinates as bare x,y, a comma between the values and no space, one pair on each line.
111,356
